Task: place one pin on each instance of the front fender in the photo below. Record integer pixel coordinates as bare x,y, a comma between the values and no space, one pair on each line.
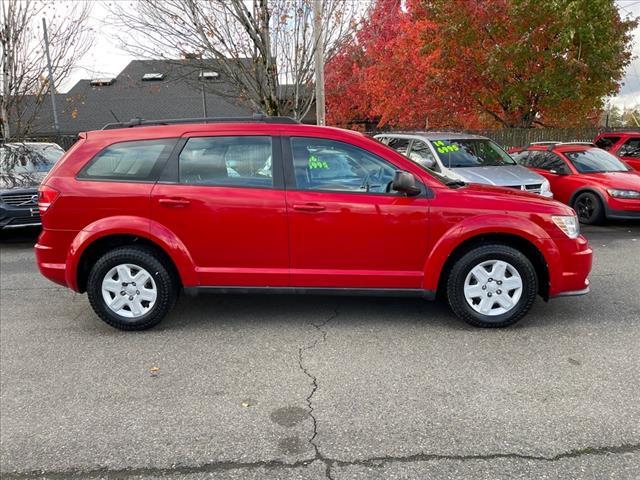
490,224
130,225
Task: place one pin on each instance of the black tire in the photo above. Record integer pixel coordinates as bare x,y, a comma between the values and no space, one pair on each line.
165,280
589,208
462,267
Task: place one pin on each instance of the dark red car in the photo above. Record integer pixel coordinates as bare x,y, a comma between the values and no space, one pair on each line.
134,215
624,145
594,182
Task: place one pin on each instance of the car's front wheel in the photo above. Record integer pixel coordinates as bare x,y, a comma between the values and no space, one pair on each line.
589,208
131,289
492,286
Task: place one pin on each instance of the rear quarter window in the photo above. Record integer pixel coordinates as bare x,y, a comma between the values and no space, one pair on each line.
139,160
607,142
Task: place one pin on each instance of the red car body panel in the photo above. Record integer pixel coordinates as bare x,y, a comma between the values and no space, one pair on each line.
232,236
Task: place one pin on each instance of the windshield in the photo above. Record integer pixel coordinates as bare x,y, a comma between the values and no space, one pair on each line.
471,153
29,158
595,160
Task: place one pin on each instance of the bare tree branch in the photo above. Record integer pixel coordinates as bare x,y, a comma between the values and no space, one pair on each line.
23,62
264,48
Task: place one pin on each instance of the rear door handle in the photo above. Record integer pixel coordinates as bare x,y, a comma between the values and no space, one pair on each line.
309,207
174,202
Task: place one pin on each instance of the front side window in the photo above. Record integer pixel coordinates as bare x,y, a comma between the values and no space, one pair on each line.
329,165
463,153
422,155
631,148
400,145
595,160
606,142
522,158
227,161
137,160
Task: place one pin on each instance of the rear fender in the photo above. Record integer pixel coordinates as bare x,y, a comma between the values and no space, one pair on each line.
136,226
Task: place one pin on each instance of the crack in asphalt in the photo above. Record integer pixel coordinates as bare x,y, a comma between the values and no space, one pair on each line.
377,462
314,387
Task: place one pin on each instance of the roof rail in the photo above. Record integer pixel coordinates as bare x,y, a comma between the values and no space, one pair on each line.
552,144
257,117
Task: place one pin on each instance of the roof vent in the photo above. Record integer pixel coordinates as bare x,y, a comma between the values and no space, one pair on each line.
102,82
150,77
209,75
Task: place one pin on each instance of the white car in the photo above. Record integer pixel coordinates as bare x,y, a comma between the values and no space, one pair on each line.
468,158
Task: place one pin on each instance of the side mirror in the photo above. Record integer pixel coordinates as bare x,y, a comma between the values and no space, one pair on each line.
556,172
405,182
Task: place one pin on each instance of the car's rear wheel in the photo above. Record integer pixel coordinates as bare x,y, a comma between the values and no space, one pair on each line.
131,289
589,208
492,286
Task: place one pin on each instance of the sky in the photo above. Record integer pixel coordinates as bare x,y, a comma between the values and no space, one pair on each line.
107,59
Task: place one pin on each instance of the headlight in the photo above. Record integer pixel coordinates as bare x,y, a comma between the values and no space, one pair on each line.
568,224
616,193
545,189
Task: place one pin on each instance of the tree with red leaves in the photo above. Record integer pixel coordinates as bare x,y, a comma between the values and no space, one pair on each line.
476,63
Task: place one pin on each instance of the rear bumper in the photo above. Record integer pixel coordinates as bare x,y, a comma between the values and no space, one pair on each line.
571,275
51,254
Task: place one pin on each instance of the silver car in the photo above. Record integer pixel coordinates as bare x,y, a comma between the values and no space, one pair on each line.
468,158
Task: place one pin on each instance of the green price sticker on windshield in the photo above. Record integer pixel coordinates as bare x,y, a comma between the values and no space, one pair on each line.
448,148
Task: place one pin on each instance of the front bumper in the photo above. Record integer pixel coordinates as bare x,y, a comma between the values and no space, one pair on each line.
622,209
18,217
571,275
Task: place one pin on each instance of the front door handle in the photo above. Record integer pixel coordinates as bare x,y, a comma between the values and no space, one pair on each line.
309,207
174,202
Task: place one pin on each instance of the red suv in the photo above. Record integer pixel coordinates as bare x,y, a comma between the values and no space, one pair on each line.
595,183
625,145
134,215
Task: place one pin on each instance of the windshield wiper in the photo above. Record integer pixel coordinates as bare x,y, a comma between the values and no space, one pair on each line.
455,183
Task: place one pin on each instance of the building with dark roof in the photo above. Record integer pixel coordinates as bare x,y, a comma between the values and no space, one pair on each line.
148,89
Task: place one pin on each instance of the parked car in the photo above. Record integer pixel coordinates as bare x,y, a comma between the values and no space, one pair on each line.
594,182
22,168
131,216
625,145
466,157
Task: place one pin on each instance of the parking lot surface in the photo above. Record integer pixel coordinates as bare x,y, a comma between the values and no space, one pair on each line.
321,387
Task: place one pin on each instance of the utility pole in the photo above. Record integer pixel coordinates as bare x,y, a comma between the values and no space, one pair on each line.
319,60
204,101
52,85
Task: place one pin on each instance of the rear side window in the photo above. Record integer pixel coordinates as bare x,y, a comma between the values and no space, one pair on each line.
129,161
547,161
631,148
227,161
606,142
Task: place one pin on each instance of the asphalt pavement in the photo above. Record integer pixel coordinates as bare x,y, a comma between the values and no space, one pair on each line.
295,387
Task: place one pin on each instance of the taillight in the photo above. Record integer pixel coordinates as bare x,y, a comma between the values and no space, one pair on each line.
46,197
